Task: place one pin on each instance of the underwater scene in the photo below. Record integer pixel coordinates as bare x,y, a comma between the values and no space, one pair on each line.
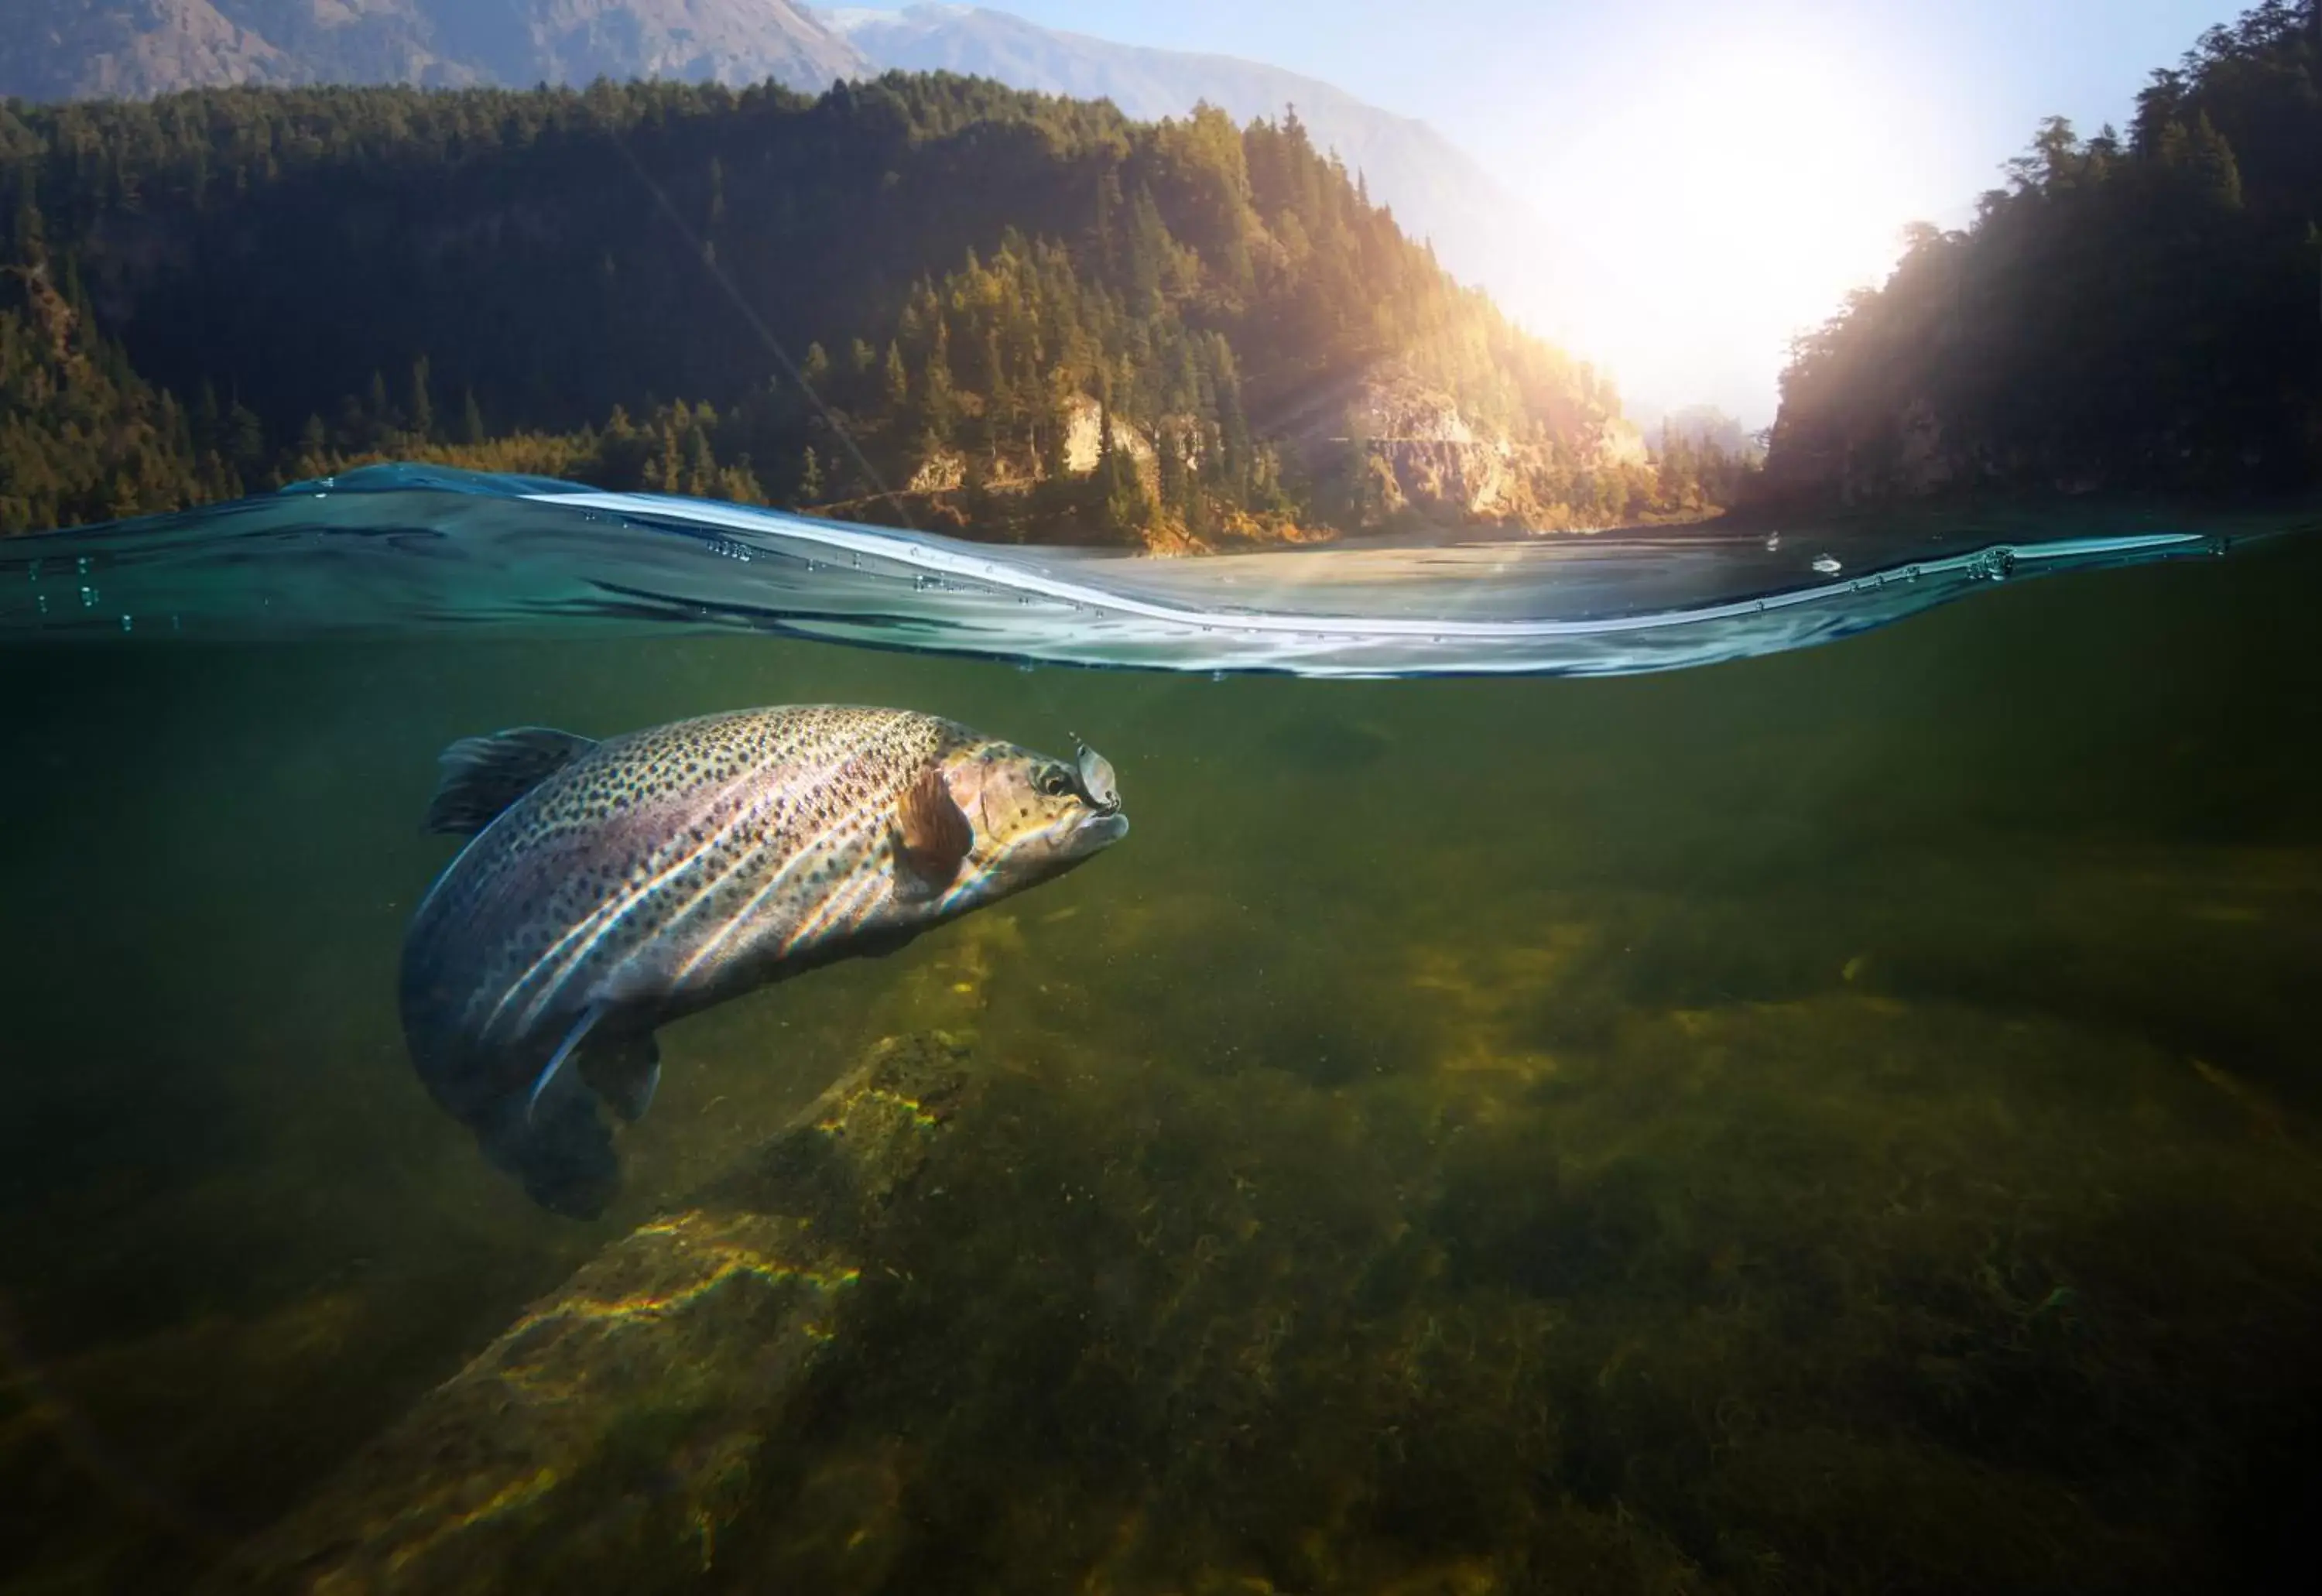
1841,1118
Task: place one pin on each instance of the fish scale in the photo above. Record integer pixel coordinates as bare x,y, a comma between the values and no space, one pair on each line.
611,887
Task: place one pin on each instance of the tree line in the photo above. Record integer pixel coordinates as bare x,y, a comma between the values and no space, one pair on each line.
2132,311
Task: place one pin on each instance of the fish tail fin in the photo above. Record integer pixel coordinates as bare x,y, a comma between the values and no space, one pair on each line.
559,1147
482,776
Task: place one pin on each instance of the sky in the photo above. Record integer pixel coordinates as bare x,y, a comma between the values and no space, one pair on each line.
1721,174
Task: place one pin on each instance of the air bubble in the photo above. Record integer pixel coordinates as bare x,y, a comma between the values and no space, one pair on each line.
124,623
1827,565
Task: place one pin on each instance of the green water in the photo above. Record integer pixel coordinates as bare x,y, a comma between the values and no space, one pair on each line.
1843,1121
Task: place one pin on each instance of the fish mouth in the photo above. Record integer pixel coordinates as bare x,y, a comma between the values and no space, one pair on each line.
1101,830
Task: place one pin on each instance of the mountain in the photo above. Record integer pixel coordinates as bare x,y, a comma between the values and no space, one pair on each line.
58,50
926,298
135,49
1483,233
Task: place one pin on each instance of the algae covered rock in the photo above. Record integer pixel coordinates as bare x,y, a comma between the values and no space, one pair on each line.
605,1438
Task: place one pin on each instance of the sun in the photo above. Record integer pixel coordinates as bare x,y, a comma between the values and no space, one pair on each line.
1729,203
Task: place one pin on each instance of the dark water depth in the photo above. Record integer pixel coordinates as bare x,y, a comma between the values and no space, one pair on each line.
1838,1121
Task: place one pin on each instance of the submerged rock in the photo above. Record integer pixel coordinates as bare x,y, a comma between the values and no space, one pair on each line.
614,1427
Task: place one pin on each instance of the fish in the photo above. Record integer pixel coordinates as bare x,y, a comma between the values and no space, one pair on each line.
608,888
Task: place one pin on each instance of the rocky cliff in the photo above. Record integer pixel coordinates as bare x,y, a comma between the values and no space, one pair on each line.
1407,455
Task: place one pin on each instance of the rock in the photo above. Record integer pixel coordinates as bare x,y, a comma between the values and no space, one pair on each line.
614,1427
943,471
1083,439
1425,459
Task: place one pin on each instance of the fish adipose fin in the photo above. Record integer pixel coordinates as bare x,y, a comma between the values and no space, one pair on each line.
932,836
482,776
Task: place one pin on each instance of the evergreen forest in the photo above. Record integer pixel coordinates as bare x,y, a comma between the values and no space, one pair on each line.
2135,311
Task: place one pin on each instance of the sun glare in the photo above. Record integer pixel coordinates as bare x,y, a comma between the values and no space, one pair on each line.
1730,204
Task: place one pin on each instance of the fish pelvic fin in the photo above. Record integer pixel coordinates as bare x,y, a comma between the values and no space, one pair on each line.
623,1070
553,1070
551,1138
482,776
932,835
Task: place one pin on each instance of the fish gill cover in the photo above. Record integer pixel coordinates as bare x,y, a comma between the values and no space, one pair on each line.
390,551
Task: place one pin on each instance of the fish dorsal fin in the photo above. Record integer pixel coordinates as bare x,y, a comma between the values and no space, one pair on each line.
482,776
932,836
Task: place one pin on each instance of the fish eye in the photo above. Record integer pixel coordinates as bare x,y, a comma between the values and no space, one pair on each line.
1054,780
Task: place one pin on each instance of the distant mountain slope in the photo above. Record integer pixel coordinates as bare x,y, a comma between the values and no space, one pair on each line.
1481,233
55,50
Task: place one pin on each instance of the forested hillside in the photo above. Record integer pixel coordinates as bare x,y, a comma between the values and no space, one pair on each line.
2133,312
925,298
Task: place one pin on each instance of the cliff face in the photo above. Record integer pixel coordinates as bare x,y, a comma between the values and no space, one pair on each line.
1407,454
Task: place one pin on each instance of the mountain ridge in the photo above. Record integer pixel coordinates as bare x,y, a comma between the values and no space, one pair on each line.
91,48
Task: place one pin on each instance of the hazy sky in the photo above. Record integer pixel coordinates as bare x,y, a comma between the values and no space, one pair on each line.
1723,171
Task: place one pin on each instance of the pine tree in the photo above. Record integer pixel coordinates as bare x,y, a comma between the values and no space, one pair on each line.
377,415
939,406
423,405
897,382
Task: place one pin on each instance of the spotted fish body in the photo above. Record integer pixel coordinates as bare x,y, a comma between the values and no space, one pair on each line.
612,886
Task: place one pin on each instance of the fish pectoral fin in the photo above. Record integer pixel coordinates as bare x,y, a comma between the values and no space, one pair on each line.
932,835
625,1070
482,776
565,1049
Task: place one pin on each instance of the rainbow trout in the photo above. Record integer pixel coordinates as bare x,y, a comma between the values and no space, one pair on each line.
612,886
